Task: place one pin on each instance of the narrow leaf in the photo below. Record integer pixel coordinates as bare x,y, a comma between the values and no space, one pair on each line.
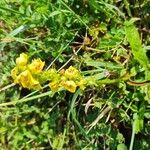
102,64
138,123
133,38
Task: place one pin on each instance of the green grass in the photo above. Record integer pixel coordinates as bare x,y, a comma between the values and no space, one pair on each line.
108,42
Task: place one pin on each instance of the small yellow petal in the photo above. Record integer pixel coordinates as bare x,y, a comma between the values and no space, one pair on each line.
14,73
82,84
36,66
54,85
27,81
70,86
22,59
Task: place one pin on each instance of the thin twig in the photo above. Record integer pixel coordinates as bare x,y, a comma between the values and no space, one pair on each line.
69,59
61,52
7,87
100,116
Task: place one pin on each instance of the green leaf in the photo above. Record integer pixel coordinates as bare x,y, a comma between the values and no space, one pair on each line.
3,130
99,64
133,38
138,123
18,30
98,76
121,147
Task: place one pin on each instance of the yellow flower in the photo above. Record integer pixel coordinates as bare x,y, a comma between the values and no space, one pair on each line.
72,73
82,84
22,60
14,73
53,75
36,66
27,81
69,85
54,85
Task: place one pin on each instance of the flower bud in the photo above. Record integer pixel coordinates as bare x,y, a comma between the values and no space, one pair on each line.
22,59
72,73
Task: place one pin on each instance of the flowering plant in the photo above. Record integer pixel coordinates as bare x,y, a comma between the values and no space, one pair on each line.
32,76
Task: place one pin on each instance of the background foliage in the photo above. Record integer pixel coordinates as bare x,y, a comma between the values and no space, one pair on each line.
99,39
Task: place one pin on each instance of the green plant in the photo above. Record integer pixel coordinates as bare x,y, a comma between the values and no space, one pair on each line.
74,74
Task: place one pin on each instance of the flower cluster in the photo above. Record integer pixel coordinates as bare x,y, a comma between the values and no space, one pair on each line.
24,73
69,79
32,76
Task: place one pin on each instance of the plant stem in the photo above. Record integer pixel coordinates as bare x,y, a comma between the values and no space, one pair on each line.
7,87
132,138
77,16
27,99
